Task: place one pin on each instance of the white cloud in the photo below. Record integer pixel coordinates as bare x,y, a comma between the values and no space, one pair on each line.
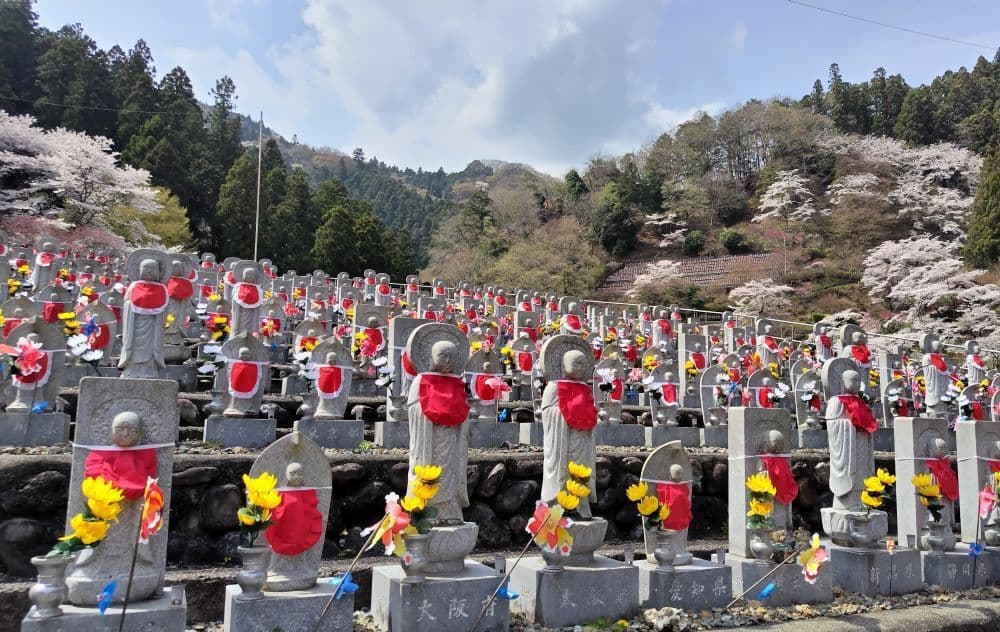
666,119
738,38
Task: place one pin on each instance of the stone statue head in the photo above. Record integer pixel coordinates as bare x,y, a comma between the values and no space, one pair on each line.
18,312
244,354
937,448
249,275
54,296
768,328
528,322
775,442
35,338
824,329
372,322
49,246
88,269
149,270
125,428
312,333
177,268
487,367
974,347
676,473
697,347
573,364
209,257
331,358
572,307
935,345
294,475
766,382
852,382
668,376
858,338
443,356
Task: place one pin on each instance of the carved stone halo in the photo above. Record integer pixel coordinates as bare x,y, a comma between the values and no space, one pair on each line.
926,341
553,350
139,255
253,265
762,325
331,345
423,338
833,375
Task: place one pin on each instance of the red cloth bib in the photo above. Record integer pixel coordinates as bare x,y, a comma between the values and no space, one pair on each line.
665,327
375,341
977,411
100,338
763,397
699,361
525,362
780,472
576,403
10,324
147,297
125,469
771,344
384,289
572,322
677,496
937,362
407,365
617,390
442,399
532,333
862,355
485,391
669,392
180,289
36,379
859,413
329,381
244,378
825,341
248,295
904,409
51,311
296,523
946,478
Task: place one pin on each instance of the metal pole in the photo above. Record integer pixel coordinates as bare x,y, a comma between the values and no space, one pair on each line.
260,154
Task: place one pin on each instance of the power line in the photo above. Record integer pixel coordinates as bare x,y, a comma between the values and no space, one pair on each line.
890,26
87,107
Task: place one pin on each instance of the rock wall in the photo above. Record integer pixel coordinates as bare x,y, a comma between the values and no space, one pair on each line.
503,488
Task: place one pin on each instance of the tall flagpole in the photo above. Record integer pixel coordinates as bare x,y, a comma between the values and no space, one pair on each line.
260,153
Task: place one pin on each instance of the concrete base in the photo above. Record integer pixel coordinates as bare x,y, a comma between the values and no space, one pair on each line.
531,433
231,432
814,439
619,435
714,436
658,435
492,434
294,610
953,569
341,434
697,586
75,372
790,586
884,441
438,604
156,615
577,595
185,375
876,571
392,434
27,429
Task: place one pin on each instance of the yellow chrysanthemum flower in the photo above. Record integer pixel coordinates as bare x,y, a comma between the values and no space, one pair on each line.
579,471
929,491
425,492
874,484
246,517
567,501
412,503
637,492
885,477
266,481
921,480
577,489
871,501
760,483
103,510
428,474
87,531
761,508
97,488
664,512
648,505
265,499
66,315
996,477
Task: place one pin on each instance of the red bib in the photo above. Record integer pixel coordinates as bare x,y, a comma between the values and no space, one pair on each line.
329,381
576,403
617,390
442,399
763,397
699,361
665,327
770,343
296,523
859,413
243,379
572,322
977,411
525,362
125,469
147,297
862,355
407,365
100,338
51,311
180,289
669,392
375,340
10,324
825,341
780,472
677,496
248,295
937,362
946,478
485,391
36,379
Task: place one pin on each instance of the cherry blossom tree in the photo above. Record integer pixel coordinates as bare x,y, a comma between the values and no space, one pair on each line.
757,297
788,198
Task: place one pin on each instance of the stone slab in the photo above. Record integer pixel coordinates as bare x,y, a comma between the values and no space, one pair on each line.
714,436
953,569
364,387
658,435
619,435
73,373
697,586
577,595
790,586
815,439
531,433
438,604
883,440
231,432
341,434
492,434
876,571
293,385
31,429
278,355
186,376
392,434
293,610
153,615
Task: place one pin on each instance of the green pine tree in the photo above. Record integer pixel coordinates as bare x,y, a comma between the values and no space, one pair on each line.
982,246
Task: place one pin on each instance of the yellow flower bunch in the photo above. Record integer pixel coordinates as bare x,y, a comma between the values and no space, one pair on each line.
876,489
262,498
23,269
640,340
690,368
650,362
90,526
309,345
575,488
169,320
773,368
960,385
873,376
929,494
653,512
761,502
423,488
13,285
475,346
213,297
426,484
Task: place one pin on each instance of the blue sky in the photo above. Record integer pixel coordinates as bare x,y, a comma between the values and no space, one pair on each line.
547,82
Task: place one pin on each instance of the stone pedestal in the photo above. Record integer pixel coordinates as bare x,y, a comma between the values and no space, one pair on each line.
231,432
658,435
883,440
293,385
790,586
577,595
714,436
531,433
27,429
185,375
843,525
73,373
161,615
438,604
341,434
699,585
953,569
293,610
175,354
618,435
364,386
392,434
876,571
815,439
492,434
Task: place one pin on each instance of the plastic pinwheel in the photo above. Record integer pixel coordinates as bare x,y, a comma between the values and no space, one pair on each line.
813,559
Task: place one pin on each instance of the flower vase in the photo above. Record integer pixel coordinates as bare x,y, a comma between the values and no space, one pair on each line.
50,589
860,530
935,539
664,552
253,575
415,559
553,561
761,545
217,405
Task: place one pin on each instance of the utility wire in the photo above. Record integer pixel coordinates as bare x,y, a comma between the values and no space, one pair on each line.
890,26
88,107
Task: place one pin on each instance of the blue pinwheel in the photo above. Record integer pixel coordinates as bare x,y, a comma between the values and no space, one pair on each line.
107,595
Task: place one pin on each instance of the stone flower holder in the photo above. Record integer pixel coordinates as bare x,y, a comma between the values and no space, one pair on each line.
448,546
415,561
253,575
761,544
935,537
664,552
862,535
48,593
